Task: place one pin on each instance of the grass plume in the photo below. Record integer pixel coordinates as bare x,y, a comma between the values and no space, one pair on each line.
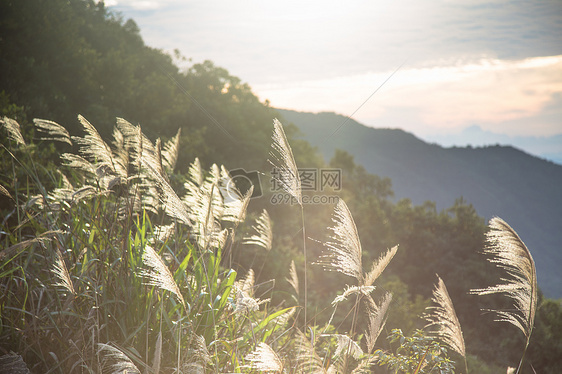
61,273
443,321
344,249
53,130
13,129
157,273
264,234
283,161
265,359
507,251
377,320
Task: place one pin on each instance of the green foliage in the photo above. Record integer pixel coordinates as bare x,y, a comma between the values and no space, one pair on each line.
416,354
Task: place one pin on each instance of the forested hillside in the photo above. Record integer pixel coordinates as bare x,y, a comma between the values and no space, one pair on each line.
496,180
122,246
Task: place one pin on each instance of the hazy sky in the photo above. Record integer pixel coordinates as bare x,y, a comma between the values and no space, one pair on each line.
492,64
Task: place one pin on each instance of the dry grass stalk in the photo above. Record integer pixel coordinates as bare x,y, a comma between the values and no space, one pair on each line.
54,131
443,321
13,129
197,355
284,162
308,360
171,203
61,273
157,273
377,320
170,152
94,149
245,300
293,277
507,251
4,191
265,360
346,347
353,290
379,266
78,162
234,202
344,251
115,361
264,233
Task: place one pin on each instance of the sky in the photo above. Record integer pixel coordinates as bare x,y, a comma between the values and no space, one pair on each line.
451,72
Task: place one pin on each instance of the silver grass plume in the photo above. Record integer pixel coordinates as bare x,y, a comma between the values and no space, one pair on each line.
207,208
13,129
120,152
377,320
264,236
443,321
83,193
136,143
344,251
308,360
507,251
4,191
195,177
13,363
293,278
379,266
265,360
164,232
205,198
234,202
284,162
206,226
60,271
353,290
157,273
170,152
246,285
53,130
64,181
78,162
197,355
245,300
21,246
364,366
115,361
63,193
346,346
171,203
94,148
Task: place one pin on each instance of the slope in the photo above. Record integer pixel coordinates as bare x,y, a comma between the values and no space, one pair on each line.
497,180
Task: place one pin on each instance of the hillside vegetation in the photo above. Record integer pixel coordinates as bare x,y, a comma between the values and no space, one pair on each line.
126,246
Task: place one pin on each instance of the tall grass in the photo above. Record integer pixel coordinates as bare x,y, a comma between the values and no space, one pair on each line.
112,271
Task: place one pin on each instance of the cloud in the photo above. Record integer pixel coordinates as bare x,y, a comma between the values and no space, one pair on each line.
266,42
506,96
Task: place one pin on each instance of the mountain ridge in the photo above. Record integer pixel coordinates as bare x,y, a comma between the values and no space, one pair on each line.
498,180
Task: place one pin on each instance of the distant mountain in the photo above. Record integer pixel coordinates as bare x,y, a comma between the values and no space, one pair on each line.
548,147
503,181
